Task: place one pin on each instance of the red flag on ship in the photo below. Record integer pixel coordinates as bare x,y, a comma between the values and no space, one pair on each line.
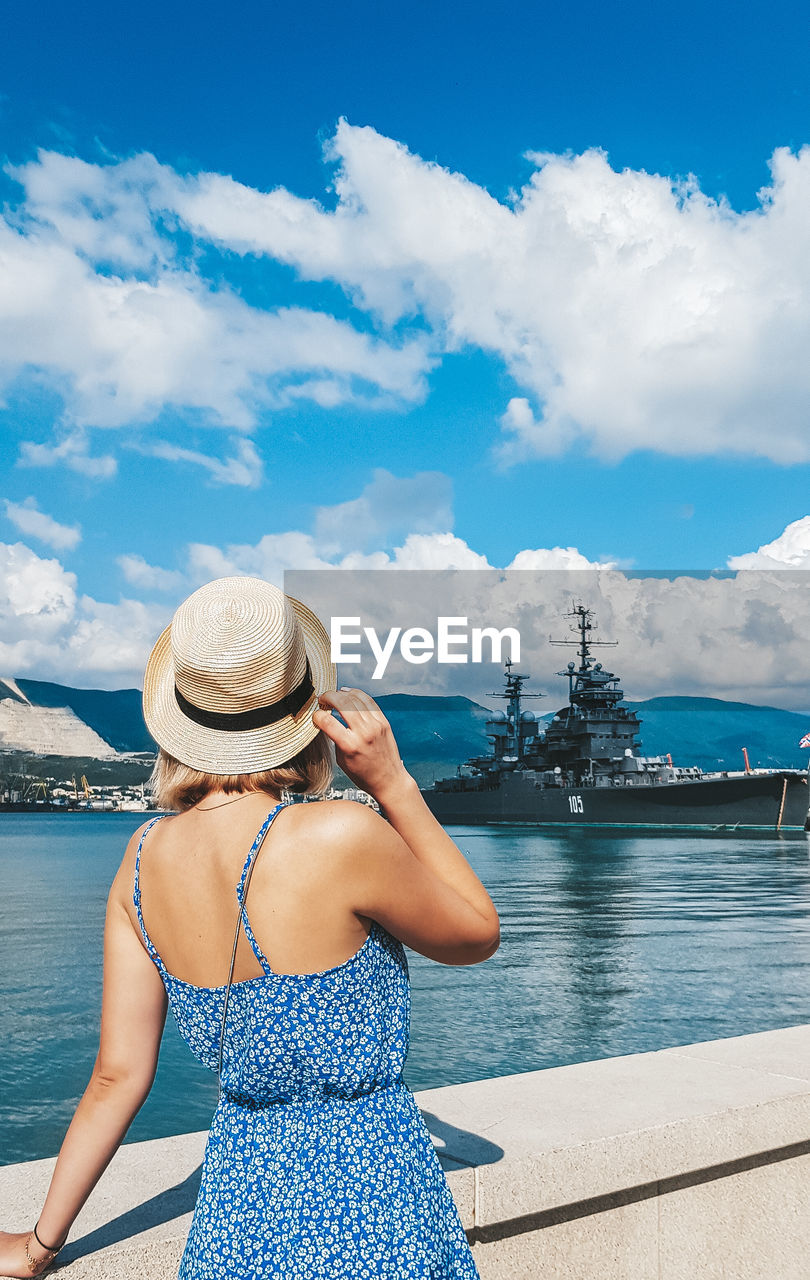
805,742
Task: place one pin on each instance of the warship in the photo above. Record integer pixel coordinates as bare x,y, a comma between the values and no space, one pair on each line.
585,768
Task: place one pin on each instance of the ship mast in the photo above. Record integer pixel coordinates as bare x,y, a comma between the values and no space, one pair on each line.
583,623
513,732
513,691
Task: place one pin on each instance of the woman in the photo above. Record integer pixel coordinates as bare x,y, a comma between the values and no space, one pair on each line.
318,1163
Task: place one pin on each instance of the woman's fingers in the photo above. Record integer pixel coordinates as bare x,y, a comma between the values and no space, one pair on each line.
362,716
368,704
367,750
358,718
323,719
358,726
351,709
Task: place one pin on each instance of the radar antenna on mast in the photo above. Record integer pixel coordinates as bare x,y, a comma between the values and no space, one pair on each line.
521,723
514,685
584,623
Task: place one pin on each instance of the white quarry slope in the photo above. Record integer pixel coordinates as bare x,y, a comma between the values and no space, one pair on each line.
46,730
15,689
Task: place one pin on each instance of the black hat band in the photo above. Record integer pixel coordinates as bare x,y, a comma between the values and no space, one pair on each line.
257,717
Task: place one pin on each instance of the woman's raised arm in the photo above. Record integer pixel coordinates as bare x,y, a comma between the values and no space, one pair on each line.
406,873
133,1012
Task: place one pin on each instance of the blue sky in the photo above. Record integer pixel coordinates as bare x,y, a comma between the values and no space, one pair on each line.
456,328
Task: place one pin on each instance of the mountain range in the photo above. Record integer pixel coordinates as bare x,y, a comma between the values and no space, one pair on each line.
434,733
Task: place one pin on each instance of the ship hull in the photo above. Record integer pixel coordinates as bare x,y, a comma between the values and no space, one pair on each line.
754,802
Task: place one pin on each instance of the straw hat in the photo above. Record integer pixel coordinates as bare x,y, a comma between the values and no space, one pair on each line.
231,685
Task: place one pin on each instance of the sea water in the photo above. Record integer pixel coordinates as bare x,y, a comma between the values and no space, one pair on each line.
611,944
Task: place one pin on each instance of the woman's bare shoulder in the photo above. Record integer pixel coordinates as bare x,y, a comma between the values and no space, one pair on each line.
342,823
338,813
340,841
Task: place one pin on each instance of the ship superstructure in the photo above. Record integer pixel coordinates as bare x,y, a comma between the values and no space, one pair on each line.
585,767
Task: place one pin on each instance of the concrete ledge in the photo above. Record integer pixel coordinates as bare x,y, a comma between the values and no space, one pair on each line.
576,1133
137,1219
689,1162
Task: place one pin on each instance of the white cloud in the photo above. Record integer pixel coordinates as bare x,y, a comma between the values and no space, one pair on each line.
526,436
631,310
72,451
434,551
740,638
635,312
102,220
243,468
48,631
110,642
274,554
396,522
98,297
388,505
277,553
39,594
268,558
737,638
556,558
139,573
791,550
29,520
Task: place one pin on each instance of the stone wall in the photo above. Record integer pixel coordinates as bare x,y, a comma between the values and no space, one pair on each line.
688,1164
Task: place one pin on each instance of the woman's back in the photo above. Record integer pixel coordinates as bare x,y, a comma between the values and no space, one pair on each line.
318,1163
342,1028
190,867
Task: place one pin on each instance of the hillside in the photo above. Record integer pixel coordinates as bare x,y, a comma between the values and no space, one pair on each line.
434,733
42,727
114,715
712,733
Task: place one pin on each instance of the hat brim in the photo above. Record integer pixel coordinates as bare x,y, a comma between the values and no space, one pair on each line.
220,751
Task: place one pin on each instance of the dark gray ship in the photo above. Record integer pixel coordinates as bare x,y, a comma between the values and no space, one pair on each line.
585,768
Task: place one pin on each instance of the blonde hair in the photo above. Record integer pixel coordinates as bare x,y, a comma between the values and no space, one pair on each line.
177,786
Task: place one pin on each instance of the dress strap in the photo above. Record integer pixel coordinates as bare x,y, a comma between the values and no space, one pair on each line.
136,897
241,889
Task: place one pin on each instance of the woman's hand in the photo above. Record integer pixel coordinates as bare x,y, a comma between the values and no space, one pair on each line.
405,872
14,1259
365,747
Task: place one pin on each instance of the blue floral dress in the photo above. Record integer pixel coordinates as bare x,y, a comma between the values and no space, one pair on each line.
318,1165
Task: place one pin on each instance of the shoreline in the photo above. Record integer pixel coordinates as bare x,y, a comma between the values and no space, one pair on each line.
527,828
